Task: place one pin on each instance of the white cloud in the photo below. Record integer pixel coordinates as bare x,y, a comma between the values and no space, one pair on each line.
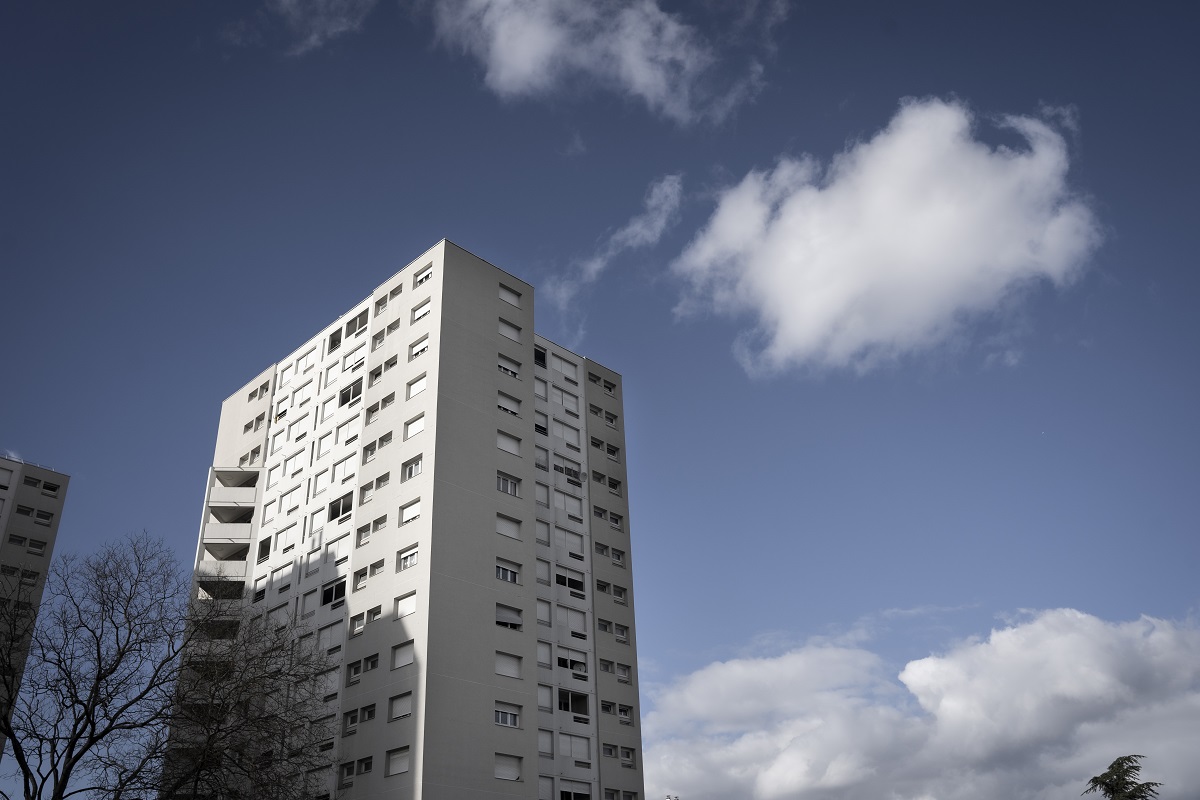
892,248
314,22
633,47
1032,711
659,210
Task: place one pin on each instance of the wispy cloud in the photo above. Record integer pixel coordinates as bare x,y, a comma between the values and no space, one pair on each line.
659,210
312,23
893,247
633,47
1031,711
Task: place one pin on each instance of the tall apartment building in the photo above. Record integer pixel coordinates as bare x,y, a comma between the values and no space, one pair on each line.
441,495
31,504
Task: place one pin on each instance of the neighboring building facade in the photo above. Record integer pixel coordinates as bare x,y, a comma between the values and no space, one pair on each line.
441,495
31,504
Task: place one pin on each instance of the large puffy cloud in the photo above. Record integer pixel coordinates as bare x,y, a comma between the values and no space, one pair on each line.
1032,711
895,245
535,47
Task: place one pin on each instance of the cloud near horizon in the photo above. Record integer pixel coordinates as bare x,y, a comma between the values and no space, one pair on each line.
531,48
1032,711
895,246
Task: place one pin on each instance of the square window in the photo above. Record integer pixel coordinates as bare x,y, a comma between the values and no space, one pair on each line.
406,558
397,761
400,706
422,310
508,484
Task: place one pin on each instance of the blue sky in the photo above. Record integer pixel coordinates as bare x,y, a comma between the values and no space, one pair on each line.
903,298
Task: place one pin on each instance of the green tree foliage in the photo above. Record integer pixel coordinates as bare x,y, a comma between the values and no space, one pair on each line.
1120,781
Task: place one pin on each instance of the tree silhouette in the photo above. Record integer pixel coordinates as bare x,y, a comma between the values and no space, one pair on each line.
1119,782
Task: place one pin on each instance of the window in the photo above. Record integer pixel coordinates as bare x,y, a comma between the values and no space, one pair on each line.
545,698
508,404
541,459
397,761
576,747
543,655
610,419
510,296
541,494
341,506
570,578
568,433
293,464
402,655
508,715
406,558
406,605
613,451
619,594
381,305
357,325
385,440
508,571
543,572
603,587
601,549
508,617
610,387
508,768
349,722
324,444
418,348
410,469
346,775
614,486
539,356
618,557
562,365
350,393
374,376
623,673
369,453
416,387
572,702
508,366
347,432
628,756
353,676
508,443
540,422
574,620
539,388
543,612
421,311
625,714
377,567
604,626
37,547
546,742
400,706
606,666
507,526
414,426
510,331
574,660
567,400
508,484
360,579
615,520
423,275
621,632
508,665
569,541
333,592
410,512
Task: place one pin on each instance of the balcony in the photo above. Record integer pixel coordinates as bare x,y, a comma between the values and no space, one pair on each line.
233,495
213,569
227,532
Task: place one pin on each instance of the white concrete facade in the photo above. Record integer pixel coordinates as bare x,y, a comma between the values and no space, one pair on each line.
441,495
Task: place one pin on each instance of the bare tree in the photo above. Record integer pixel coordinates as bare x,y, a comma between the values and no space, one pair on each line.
136,689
